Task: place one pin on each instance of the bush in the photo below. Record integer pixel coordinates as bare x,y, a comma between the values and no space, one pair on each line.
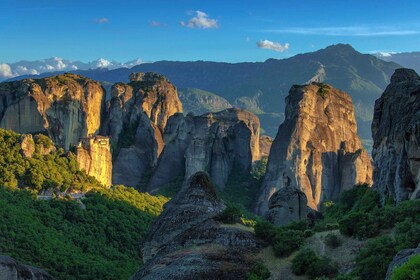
287,241
265,231
408,271
303,259
307,262
258,272
308,233
359,224
321,268
373,260
230,215
332,240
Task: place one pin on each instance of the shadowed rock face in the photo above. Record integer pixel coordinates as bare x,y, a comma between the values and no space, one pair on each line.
401,258
10,269
187,242
136,117
217,143
286,205
396,135
66,107
317,149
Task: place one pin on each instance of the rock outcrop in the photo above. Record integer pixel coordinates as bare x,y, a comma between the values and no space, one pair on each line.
265,145
286,205
10,269
65,107
188,242
218,143
94,156
136,118
396,135
401,258
41,144
317,149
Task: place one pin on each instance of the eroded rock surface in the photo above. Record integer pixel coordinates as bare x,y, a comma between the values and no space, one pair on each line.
317,149
10,269
218,143
187,242
396,135
65,107
94,156
286,205
136,118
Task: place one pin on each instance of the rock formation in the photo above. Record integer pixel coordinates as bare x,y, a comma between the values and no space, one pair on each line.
401,258
136,117
317,149
396,135
265,145
41,144
286,205
65,107
94,156
187,242
218,143
10,269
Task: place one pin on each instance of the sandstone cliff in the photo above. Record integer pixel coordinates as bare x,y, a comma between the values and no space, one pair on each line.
187,242
136,117
10,269
317,149
66,107
94,156
218,143
396,135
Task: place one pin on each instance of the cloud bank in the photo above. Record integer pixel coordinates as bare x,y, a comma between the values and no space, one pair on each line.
56,64
201,20
354,31
270,45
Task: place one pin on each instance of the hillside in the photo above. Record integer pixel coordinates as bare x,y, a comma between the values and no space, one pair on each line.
407,59
94,236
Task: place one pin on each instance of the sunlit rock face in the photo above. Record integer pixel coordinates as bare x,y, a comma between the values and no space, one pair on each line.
396,135
65,107
136,118
317,149
94,156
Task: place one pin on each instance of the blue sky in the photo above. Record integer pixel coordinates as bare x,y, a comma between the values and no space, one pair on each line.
232,31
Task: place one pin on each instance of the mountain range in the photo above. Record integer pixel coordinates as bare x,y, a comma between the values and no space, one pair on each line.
262,86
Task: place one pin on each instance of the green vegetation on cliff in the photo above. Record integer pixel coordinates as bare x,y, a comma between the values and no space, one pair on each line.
99,242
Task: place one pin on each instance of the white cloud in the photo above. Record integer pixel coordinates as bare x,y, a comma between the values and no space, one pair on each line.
355,31
5,71
266,44
201,20
154,23
103,63
132,63
102,20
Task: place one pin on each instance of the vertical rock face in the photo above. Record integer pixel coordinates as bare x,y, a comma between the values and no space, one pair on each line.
265,145
10,269
317,149
136,117
187,242
396,135
66,107
94,156
218,143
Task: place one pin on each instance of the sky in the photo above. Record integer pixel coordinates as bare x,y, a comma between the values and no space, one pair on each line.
189,30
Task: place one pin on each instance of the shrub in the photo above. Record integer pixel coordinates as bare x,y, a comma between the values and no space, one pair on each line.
321,268
332,240
408,271
258,272
230,215
308,233
287,241
303,259
265,231
373,260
